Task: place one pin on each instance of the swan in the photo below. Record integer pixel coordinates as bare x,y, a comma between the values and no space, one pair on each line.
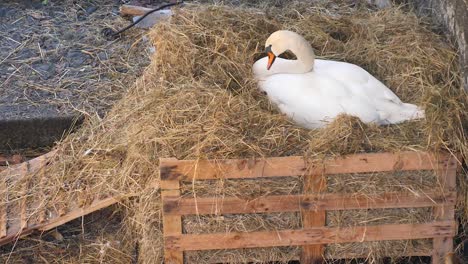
312,92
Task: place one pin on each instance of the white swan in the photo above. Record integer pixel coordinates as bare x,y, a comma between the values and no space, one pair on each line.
313,92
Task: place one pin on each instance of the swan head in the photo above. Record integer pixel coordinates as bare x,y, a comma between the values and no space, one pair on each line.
284,40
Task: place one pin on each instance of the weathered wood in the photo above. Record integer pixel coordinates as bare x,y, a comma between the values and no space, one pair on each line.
18,171
23,212
61,209
38,207
444,245
413,252
78,212
14,233
312,205
131,10
172,224
173,205
23,204
7,160
187,170
317,235
13,221
313,218
17,218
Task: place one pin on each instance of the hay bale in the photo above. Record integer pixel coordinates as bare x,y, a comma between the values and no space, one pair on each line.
198,100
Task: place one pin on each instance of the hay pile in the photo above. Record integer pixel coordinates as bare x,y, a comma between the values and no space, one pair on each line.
197,99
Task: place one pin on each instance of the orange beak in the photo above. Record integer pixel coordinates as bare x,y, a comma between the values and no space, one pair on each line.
271,59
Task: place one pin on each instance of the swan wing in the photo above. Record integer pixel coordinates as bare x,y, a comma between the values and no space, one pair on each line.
359,81
313,100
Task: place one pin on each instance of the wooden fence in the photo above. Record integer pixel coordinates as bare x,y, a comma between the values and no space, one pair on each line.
15,219
312,205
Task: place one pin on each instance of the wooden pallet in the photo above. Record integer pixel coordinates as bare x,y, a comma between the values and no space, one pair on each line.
14,221
312,205
8,160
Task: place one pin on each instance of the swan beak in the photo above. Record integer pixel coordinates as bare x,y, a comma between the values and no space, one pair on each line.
271,59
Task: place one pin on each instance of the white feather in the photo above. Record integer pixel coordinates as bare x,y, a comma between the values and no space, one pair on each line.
314,98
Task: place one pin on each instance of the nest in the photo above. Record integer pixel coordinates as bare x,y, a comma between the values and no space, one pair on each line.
198,100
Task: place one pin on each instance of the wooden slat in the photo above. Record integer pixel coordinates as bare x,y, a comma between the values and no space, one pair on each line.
13,220
172,224
313,218
31,166
317,235
38,207
293,203
23,204
23,212
10,160
78,212
61,209
413,252
444,245
188,170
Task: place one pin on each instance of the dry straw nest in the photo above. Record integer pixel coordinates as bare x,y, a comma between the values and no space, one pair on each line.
198,100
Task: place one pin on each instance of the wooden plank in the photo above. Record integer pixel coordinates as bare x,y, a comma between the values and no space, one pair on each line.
79,212
10,160
443,246
16,172
131,10
61,209
23,212
23,205
172,224
187,170
293,203
415,252
13,220
17,220
317,235
364,254
14,233
313,218
38,207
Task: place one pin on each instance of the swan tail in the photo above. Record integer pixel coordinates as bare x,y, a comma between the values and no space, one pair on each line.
416,111
404,113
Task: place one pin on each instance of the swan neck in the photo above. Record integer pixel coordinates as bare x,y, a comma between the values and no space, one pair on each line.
305,56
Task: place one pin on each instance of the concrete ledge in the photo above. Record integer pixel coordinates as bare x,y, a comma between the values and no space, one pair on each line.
26,126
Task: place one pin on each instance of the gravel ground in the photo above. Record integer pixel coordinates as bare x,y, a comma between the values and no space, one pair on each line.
55,54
